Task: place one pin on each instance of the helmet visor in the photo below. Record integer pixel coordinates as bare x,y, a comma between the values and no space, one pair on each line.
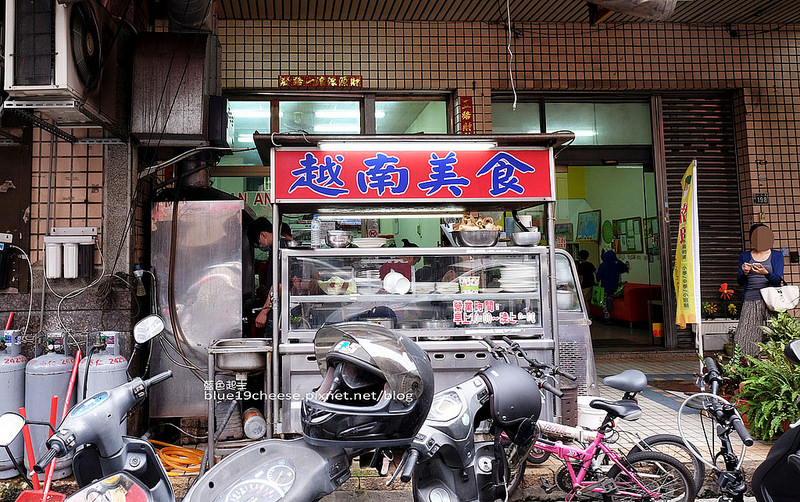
372,345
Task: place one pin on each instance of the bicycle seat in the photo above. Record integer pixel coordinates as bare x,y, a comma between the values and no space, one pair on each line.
626,409
628,381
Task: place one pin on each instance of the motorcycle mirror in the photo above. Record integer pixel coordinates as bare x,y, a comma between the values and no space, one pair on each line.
11,425
792,352
148,328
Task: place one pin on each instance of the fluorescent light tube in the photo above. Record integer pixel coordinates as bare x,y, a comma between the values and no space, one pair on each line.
407,146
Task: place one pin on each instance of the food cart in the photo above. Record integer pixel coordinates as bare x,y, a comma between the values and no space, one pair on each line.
445,298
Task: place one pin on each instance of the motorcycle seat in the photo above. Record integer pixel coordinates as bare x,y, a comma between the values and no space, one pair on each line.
627,381
626,409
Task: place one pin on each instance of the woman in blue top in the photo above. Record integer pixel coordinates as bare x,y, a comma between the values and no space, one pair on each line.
608,273
759,268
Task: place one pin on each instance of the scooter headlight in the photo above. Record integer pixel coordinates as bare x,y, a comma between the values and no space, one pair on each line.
446,406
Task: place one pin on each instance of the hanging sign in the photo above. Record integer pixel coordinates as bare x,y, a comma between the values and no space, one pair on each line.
466,115
326,81
420,175
686,274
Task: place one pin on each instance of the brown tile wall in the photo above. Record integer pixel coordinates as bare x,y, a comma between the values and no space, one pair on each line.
76,196
760,63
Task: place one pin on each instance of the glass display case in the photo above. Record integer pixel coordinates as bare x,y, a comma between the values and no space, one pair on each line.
431,294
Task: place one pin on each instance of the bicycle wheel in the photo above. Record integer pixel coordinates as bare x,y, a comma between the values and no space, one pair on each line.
658,473
517,461
674,446
537,456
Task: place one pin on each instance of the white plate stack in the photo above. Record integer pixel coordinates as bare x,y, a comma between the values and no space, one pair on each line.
519,277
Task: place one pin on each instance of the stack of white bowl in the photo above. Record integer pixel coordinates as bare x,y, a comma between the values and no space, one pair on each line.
519,277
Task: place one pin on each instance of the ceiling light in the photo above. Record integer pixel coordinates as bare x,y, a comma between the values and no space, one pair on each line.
337,114
250,114
406,146
341,128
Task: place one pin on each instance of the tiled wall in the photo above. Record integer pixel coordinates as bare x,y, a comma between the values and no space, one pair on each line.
760,62
76,195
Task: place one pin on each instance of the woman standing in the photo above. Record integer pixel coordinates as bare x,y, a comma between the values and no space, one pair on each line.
759,268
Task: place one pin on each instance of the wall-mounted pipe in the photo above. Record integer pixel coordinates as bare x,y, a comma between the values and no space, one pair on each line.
191,14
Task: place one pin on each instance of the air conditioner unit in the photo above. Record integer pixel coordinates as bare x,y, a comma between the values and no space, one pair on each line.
68,61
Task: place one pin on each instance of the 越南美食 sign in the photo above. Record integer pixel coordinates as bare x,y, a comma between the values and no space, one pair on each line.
419,175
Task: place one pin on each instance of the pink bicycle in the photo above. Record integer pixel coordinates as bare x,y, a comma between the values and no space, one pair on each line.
596,471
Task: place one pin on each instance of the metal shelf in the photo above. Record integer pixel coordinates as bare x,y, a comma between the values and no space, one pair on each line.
359,298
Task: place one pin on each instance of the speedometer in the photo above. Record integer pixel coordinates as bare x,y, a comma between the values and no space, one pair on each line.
253,490
281,475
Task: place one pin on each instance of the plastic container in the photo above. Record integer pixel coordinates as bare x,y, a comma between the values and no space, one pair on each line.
469,284
589,417
316,232
254,424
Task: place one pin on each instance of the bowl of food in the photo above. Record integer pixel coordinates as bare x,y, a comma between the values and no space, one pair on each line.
337,238
337,286
476,238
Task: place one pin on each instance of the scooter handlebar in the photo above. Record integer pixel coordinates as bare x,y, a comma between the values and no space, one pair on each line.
747,439
40,466
549,388
567,375
158,378
408,467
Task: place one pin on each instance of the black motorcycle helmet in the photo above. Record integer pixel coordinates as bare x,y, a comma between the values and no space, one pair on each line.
376,391
515,402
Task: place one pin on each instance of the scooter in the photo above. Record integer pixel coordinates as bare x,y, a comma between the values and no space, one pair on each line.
91,432
445,463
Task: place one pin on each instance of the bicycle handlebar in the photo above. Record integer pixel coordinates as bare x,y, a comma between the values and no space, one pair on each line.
747,439
711,365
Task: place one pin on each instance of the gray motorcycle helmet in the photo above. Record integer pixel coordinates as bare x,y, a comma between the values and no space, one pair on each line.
376,391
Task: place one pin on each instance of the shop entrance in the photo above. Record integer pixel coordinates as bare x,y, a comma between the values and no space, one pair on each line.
612,208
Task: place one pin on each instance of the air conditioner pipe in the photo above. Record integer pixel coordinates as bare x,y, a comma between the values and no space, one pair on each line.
659,10
192,14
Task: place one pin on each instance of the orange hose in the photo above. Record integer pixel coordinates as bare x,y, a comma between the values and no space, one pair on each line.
178,460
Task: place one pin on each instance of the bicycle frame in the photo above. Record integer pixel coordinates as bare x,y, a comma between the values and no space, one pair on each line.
585,456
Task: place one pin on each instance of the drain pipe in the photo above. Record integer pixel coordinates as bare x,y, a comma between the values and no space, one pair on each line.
47,231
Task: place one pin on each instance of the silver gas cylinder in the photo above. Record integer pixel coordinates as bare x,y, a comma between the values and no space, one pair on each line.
106,371
12,394
47,376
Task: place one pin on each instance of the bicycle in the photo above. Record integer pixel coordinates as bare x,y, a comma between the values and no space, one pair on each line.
644,475
723,414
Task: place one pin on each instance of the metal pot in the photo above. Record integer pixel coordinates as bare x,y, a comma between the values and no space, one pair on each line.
408,324
436,324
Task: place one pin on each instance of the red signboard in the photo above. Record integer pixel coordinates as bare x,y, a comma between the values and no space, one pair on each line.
465,112
421,175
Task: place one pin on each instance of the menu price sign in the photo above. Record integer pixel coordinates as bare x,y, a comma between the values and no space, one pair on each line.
420,175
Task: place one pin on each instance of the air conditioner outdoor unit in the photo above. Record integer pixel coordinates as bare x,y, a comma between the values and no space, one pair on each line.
68,61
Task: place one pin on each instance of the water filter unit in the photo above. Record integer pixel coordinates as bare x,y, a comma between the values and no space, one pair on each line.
12,394
107,370
46,376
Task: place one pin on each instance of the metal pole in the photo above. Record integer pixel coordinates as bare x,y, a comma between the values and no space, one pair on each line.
551,255
212,426
272,412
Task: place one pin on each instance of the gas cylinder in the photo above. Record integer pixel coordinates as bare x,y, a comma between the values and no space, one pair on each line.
46,376
12,394
106,371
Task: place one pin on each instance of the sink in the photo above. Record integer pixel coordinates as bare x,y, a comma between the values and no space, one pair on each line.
241,355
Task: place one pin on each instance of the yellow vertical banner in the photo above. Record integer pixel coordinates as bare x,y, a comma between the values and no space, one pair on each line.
686,274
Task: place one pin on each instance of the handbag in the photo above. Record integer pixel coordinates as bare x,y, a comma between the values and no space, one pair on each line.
598,296
781,298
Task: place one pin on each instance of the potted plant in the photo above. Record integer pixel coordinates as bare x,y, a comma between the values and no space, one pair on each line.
770,392
728,347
